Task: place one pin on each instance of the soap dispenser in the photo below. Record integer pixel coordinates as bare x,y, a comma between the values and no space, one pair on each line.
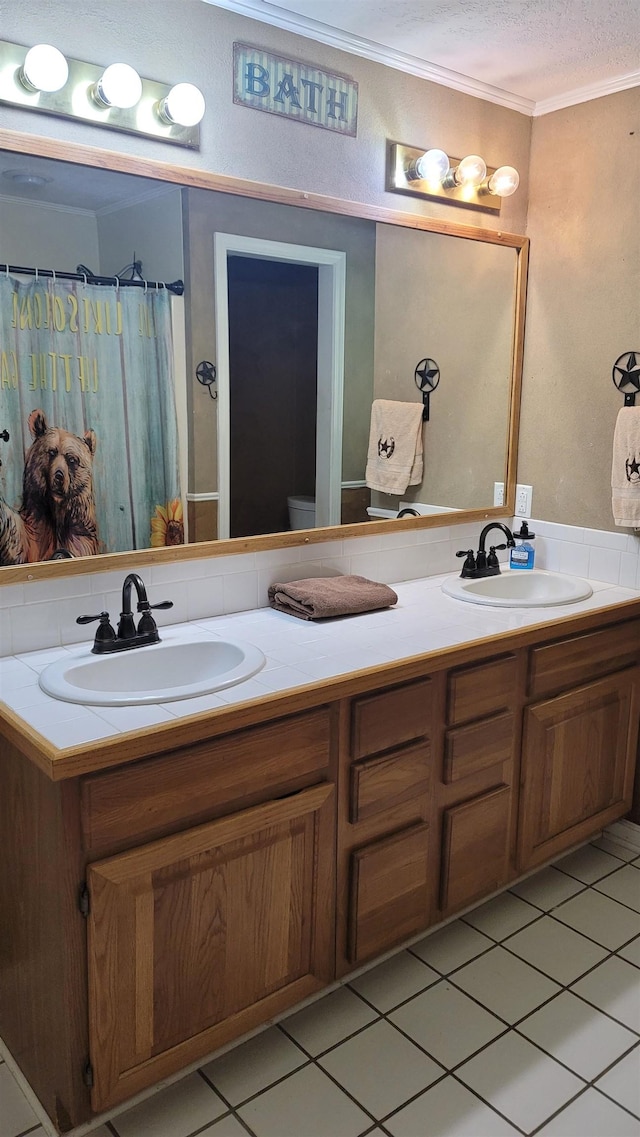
523,555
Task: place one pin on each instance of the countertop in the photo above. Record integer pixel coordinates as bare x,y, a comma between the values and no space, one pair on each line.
299,654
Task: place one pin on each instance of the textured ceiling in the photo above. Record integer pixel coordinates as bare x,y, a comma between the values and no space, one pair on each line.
536,50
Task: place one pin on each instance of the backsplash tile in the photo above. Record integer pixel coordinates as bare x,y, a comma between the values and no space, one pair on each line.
40,614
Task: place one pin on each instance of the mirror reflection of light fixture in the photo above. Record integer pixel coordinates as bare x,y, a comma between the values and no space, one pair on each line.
433,174
44,69
41,79
118,86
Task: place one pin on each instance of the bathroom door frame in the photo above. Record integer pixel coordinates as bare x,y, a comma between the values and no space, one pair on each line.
332,274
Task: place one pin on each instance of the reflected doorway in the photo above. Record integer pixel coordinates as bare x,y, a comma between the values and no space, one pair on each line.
329,269
273,390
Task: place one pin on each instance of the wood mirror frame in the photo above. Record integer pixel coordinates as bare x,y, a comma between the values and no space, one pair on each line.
200,179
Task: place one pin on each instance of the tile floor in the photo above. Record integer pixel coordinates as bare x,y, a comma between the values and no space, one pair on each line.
522,1017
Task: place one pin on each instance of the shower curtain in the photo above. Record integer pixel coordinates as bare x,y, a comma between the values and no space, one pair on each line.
87,402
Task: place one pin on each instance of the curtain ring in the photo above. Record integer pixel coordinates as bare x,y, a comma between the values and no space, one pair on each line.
53,273
6,269
84,277
36,274
117,284
145,287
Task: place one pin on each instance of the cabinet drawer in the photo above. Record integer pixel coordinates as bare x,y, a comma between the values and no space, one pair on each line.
474,692
569,662
390,718
470,749
389,892
475,847
385,782
209,778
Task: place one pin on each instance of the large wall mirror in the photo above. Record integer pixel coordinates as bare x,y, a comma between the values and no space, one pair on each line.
238,414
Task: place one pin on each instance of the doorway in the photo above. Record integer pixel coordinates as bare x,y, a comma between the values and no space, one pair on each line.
273,390
251,445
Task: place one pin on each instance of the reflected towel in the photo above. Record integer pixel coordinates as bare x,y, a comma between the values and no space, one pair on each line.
394,460
321,596
625,468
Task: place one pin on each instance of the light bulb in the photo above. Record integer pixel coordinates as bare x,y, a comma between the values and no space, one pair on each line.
504,182
183,106
433,166
44,69
471,171
119,86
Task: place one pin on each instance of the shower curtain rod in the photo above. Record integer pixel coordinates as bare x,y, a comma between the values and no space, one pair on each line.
175,286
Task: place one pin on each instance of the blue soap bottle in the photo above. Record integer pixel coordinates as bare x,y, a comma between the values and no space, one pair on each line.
523,555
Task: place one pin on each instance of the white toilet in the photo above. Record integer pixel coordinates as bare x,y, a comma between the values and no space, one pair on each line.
302,511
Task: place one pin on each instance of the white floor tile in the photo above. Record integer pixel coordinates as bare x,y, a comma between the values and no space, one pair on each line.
608,845
591,1115
556,949
632,952
502,916
380,1068
588,864
173,1112
449,1110
578,1035
505,985
520,1081
394,981
622,1082
448,1024
16,1114
229,1126
599,918
258,1063
307,1103
328,1021
547,888
624,886
613,987
452,946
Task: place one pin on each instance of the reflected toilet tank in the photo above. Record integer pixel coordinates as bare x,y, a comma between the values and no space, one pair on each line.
302,511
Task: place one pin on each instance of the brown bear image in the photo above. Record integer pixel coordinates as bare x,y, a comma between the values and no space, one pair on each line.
57,515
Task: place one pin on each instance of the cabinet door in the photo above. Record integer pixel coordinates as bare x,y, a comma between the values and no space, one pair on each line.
199,937
475,849
578,759
389,892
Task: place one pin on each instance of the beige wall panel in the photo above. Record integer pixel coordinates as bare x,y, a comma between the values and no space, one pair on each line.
174,40
35,235
583,303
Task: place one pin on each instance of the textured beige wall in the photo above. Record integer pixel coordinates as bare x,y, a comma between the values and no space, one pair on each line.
452,301
44,236
175,40
583,303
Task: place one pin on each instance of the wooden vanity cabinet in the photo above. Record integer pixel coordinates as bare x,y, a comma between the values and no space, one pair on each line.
580,742
165,904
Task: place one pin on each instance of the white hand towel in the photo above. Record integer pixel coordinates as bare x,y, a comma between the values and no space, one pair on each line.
625,469
394,460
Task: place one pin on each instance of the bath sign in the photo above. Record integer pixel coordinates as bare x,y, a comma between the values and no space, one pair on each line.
297,90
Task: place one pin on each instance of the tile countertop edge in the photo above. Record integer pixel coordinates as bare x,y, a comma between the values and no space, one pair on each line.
121,747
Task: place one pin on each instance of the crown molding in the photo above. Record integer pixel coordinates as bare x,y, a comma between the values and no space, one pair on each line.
356,45
585,94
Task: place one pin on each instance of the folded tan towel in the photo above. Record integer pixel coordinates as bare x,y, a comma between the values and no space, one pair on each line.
625,468
394,459
322,596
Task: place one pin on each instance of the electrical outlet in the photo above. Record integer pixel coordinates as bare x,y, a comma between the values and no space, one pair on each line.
498,493
524,495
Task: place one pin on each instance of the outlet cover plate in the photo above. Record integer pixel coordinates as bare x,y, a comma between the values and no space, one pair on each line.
524,495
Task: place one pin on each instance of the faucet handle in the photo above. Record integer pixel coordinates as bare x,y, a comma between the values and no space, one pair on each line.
469,567
104,631
162,604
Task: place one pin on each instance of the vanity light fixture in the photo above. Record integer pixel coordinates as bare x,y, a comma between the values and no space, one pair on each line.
435,175
41,79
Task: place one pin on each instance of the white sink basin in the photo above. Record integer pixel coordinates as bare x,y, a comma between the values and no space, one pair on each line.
519,588
159,673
